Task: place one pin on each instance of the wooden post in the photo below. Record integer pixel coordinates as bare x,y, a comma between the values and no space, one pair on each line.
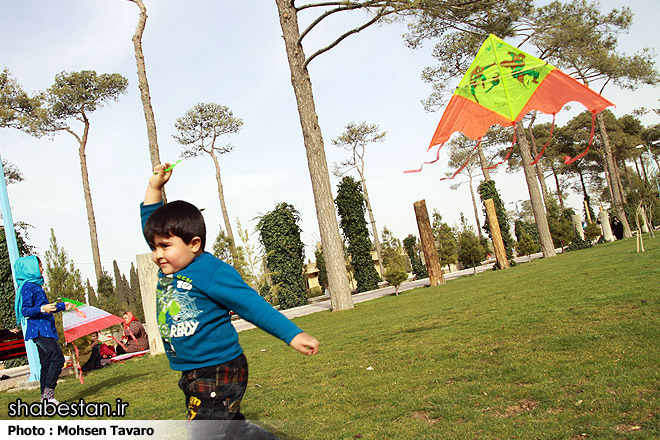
428,243
577,224
586,209
148,275
496,235
605,225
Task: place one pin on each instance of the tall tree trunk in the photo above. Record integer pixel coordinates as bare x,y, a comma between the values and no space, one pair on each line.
372,220
91,219
340,294
637,169
619,180
584,188
646,176
559,196
537,167
143,84
610,185
538,208
614,179
476,210
483,163
223,207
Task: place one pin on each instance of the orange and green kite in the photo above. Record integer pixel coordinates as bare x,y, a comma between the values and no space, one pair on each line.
501,86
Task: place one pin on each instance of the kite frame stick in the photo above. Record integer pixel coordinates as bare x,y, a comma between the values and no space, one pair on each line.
170,167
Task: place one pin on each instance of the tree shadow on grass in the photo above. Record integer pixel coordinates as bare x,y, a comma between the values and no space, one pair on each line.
105,384
281,435
423,328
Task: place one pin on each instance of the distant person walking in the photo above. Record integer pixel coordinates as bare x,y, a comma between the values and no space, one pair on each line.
617,228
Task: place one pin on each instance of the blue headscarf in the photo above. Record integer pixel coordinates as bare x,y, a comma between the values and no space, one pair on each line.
26,270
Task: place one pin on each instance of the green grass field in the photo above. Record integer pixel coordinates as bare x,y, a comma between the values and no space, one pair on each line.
559,348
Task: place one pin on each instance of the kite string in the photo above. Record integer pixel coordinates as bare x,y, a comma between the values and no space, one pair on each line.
508,153
538,156
437,157
464,165
567,159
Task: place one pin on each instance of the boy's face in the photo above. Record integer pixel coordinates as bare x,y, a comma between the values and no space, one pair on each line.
172,254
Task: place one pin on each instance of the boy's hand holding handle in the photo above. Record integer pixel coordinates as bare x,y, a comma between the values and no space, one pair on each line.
156,183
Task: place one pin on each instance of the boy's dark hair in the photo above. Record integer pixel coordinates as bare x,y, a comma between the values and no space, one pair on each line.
179,218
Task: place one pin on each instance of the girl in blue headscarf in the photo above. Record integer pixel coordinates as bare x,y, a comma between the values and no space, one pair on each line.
31,304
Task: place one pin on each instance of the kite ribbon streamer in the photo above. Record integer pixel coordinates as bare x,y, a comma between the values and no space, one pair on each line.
464,165
78,364
118,342
567,159
538,156
437,157
79,313
508,153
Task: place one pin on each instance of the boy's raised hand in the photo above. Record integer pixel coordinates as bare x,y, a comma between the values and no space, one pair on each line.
305,343
160,176
156,183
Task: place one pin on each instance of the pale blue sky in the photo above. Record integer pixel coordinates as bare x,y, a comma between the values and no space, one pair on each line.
231,53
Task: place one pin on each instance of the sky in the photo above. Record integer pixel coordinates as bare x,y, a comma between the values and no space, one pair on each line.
232,53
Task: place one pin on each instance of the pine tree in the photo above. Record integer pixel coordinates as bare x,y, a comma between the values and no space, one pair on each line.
526,245
320,265
92,300
135,297
107,296
445,240
225,249
64,279
410,244
470,250
121,287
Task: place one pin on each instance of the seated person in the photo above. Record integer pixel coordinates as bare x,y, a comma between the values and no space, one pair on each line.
135,336
89,352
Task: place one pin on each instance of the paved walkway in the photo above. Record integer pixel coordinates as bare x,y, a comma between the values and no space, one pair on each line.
323,303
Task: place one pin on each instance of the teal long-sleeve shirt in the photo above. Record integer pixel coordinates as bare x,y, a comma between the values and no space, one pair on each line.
193,308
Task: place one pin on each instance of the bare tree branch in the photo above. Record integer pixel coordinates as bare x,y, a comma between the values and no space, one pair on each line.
325,15
342,37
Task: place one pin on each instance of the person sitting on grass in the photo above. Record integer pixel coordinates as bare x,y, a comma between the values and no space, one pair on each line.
89,352
135,336
194,296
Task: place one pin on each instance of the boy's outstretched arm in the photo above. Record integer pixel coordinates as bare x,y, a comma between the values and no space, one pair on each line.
157,181
305,343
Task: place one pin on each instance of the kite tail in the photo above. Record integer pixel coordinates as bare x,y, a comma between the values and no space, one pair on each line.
437,157
82,381
508,153
567,159
464,165
552,127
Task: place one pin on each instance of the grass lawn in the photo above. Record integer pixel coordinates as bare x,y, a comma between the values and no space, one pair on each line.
559,348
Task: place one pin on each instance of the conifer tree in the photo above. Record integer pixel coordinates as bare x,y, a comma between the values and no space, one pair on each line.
351,207
63,279
135,297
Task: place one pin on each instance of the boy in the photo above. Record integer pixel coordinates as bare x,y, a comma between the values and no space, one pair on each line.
195,294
